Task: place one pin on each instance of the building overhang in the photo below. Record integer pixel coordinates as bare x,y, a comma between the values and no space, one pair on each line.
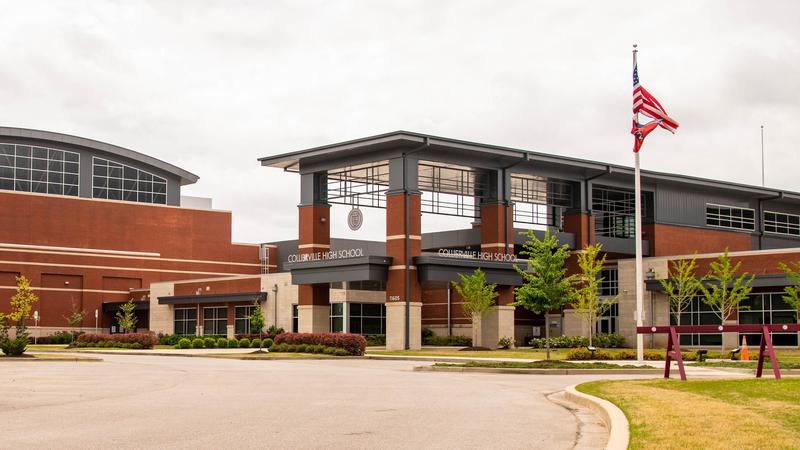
365,268
112,307
447,269
250,297
760,281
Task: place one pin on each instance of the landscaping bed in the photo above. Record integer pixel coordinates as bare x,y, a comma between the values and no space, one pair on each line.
706,414
542,365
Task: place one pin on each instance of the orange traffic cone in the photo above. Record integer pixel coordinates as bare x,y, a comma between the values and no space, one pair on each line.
745,355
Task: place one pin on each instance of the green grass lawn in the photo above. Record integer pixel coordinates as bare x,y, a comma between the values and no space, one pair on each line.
541,365
707,414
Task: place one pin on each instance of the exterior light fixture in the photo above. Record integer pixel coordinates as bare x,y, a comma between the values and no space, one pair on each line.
651,274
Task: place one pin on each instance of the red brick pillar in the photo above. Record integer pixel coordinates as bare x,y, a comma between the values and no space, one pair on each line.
396,281
313,308
497,236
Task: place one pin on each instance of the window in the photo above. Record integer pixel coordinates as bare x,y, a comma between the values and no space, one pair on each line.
614,211
215,321
28,168
367,285
185,321
241,322
781,223
768,308
337,317
115,181
295,319
698,313
608,288
367,318
730,217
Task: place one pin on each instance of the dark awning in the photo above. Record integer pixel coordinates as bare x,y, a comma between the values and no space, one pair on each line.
250,297
439,268
111,307
365,268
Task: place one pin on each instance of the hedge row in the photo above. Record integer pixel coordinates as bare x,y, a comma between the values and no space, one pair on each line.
599,340
308,348
211,342
146,340
355,344
108,344
59,337
578,354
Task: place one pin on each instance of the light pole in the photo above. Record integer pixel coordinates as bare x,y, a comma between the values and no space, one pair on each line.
36,324
96,316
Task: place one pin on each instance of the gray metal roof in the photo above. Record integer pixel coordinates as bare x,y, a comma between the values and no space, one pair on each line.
186,177
500,156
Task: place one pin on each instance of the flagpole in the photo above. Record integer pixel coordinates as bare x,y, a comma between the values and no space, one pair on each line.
638,239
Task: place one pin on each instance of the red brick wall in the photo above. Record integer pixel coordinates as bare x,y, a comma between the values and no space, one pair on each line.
668,240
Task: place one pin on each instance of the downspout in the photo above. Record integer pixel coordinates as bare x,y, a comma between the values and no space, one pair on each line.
275,300
407,233
761,217
449,314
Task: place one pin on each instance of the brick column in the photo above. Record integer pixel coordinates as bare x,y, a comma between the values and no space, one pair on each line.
313,308
396,280
497,236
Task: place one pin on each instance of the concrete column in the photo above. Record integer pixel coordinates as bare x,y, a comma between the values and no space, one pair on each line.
230,332
581,225
314,318
403,190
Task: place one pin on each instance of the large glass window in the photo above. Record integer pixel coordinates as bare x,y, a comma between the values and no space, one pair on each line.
768,308
781,223
367,285
215,321
185,321
242,319
367,318
115,181
608,288
730,217
614,211
337,318
698,313
44,170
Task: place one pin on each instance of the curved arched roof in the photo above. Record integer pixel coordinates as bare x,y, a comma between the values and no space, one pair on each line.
186,177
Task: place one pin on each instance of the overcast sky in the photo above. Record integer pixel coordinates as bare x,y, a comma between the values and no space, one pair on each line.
211,86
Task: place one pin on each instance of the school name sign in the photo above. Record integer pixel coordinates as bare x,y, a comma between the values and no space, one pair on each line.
326,256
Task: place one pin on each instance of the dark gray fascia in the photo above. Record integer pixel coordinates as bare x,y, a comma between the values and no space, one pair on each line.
213,298
366,268
445,269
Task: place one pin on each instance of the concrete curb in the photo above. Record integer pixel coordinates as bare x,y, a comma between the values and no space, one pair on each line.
55,359
538,371
614,418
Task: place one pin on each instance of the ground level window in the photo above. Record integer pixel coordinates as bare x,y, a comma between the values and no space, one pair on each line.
242,319
367,318
768,308
337,317
185,321
607,323
698,313
215,321
295,319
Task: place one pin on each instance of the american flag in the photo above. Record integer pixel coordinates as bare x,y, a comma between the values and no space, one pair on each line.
644,103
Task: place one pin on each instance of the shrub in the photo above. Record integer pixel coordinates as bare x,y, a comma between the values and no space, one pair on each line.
256,343
136,346
244,343
577,354
209,342
291,348
14,347
426,333
330,351
317,348
355,344
561,342
341,352
301,348
625,354
184,343
147,340
198,342
613,340
459,341
505,342
375,339
654,356
233,343
267,343
222,343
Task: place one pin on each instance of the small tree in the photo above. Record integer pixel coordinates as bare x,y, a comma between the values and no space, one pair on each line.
587,301
257,321
681,286
792,297
478,299
75,317
21,305
546,285
725,290
126,318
